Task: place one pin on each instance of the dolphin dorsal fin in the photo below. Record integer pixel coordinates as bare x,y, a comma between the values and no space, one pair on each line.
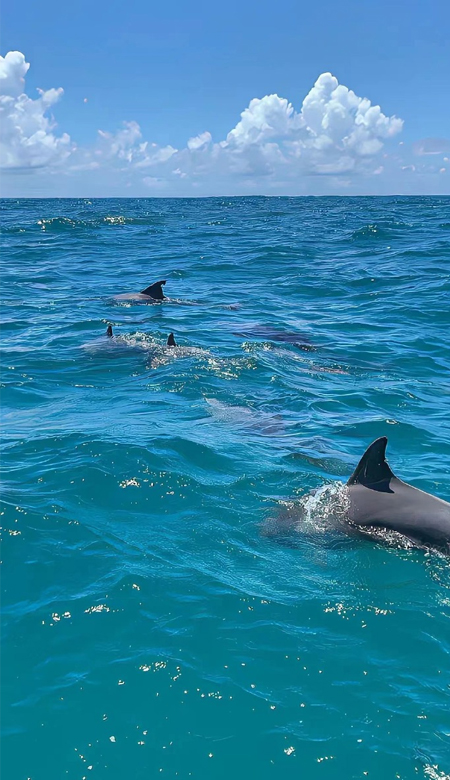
372,470
155,290
171,341
109,331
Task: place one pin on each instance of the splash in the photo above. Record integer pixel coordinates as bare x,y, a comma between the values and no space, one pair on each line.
61,224
165,355
326,508
319,512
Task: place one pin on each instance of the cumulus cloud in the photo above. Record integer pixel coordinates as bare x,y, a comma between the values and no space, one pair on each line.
27,138
13,70
334,132
200,140
265,118
127,145
154,154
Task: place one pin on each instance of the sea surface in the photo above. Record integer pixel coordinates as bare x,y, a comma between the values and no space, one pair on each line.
150,627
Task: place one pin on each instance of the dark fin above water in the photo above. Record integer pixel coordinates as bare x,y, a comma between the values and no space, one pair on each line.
372,470
155,291
109,331
171,341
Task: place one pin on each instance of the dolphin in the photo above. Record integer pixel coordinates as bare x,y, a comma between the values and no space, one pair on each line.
272,334
373,501
152,293
113,345
379,499
169,343
244,417
108,344
170,340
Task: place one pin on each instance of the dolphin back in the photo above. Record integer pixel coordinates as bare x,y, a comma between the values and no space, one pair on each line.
379,499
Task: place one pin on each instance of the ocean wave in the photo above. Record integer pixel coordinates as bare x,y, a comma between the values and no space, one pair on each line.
67,223
380,230
62,224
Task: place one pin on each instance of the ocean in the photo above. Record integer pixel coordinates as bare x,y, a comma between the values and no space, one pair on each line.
150,627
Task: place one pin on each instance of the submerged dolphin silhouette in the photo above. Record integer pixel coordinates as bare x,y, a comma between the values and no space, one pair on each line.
272,334
170,341
379,499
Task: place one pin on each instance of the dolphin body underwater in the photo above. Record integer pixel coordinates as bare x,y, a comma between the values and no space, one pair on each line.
170,340
272,334
114,345
377,500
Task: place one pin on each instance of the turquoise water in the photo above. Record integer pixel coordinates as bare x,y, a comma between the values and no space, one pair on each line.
149,627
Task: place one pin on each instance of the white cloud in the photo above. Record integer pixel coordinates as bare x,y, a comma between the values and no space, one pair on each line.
268,117
127,145
334,116
27,139
335,133
200,140
154,154
13,70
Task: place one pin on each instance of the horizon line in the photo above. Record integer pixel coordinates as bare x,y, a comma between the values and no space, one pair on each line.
214,197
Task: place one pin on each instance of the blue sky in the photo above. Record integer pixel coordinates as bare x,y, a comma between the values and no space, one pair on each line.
177,71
